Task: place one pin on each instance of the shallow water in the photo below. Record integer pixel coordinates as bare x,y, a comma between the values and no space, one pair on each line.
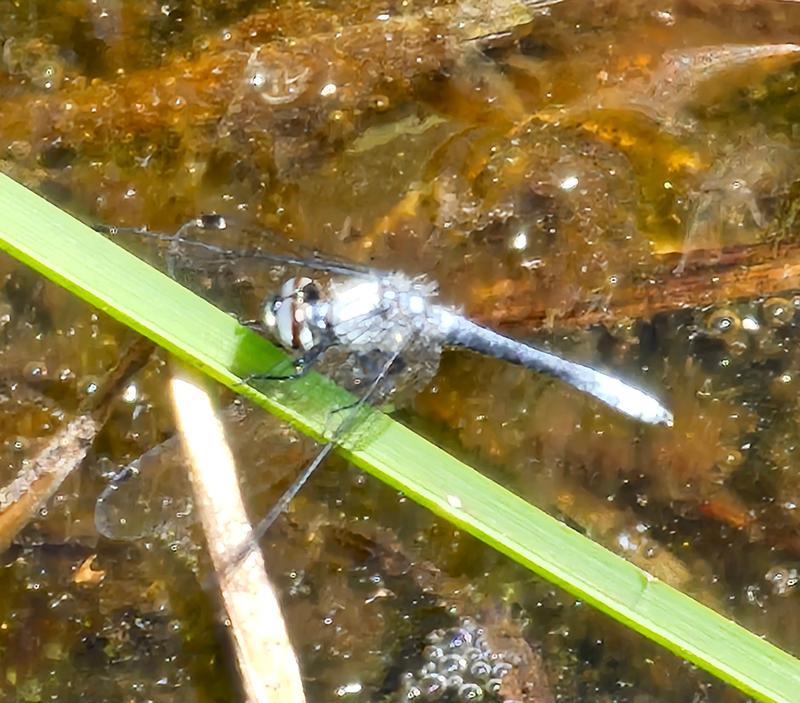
615,180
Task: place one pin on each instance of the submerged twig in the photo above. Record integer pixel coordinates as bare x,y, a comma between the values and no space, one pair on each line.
23,498
35,484
709,278
267,663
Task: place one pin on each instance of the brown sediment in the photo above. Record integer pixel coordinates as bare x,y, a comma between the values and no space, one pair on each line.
257,82
275,102
709,278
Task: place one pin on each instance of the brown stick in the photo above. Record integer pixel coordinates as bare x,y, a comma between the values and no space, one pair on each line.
709,278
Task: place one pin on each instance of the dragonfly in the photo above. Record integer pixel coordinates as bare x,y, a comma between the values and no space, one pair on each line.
390,326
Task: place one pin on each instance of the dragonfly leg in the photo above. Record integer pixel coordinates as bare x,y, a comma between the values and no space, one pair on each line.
342,408
299,373
302,365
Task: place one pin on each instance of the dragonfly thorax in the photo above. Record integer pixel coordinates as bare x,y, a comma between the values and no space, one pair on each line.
381,313
384,313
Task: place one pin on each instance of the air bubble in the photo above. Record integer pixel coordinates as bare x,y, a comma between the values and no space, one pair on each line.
35,371
472,653
455,681
65,374
470,692
433,686
433,652
501,669
482,644
777,312
723,322
493,686
458,638
89,385
435,636
731,458
380,103
453,664
481,669
48,75
413,694
783,579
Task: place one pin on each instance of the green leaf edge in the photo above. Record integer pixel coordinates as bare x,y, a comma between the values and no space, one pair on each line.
127,289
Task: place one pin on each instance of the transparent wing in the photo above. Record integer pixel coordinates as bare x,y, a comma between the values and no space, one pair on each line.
148,497
231,263
267,245
151,497
210,241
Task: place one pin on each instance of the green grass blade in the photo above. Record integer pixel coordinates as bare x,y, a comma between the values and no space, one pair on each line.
103,274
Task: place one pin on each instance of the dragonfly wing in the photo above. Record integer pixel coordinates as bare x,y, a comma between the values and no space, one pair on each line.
154,501
271,241
345,421
147,497
211,241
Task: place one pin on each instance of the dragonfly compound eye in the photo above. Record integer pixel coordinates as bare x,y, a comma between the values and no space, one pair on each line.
286,316
310,293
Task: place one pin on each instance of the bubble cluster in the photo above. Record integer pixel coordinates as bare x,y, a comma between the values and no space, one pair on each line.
459,664
763,329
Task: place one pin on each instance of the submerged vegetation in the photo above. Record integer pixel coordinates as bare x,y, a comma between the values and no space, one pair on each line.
617,180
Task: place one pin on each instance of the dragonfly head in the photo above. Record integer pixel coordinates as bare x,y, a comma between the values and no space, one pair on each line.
290,318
